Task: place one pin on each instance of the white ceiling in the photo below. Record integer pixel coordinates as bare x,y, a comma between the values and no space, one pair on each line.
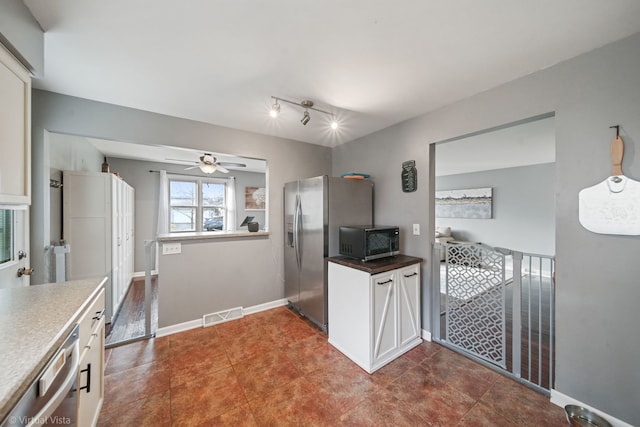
373,63
523,144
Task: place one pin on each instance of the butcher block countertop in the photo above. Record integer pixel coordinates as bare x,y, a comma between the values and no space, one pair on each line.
34,321
377,265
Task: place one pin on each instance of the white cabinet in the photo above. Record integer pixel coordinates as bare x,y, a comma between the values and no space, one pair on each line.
98,225
374,318
15,131
90,386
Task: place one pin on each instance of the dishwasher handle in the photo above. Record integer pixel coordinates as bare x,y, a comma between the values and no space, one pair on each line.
62,391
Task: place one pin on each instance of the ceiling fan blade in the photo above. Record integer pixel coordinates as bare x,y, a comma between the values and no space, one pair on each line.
192,167
221,169
233,165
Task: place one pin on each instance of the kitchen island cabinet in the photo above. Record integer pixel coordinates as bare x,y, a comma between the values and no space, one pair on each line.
374,308
35,321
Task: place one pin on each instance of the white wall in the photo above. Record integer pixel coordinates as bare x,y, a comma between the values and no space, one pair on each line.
597,318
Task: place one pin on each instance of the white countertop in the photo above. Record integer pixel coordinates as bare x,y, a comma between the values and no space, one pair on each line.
34,320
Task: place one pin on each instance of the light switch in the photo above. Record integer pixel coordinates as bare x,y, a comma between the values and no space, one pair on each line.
416,229
171,248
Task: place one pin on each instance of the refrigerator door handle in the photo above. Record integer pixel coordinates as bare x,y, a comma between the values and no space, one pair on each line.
296,232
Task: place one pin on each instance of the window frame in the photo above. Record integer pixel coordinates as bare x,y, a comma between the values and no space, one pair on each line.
199,207
12,237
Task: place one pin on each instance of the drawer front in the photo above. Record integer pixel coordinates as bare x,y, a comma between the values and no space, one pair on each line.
91,320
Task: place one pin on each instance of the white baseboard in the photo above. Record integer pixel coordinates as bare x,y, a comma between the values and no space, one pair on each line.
192,324
562,400
137,274
180,327
265,306
426,335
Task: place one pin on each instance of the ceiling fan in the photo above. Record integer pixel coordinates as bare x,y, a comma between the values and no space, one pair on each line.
209,164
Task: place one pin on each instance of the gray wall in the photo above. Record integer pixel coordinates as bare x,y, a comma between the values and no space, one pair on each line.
136,173
22,35
259,282
523,208
597,341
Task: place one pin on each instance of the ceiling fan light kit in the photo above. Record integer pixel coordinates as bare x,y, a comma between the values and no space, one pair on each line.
307,105
209,164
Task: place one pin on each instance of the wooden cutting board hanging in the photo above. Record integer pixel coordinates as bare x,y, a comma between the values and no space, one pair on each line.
612,206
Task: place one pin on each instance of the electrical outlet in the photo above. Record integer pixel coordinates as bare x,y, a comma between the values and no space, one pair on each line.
171,248
416,229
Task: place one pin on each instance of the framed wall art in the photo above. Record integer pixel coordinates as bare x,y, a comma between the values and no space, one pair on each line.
254,198
466,203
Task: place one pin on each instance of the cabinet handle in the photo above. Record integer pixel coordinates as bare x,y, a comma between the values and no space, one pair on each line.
99,314
411,275
88,371
385,282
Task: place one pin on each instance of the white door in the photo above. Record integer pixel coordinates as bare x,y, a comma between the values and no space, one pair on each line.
14,246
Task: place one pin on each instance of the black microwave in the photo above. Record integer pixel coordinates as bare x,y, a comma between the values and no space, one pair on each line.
367,242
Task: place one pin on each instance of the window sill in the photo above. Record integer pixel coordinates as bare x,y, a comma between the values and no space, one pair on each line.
210,235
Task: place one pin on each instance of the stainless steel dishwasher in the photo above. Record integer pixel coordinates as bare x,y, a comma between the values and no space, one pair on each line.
50,399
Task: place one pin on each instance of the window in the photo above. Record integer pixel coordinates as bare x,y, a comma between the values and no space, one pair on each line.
197,204
6,235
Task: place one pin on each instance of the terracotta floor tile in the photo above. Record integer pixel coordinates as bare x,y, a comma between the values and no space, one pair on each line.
238,417
422,352
443,406
152,411
313,353
290,333
136,383
276,316
344,385
297,403
382,409
193,338
482,416
244,325
522,405
392,371
206,397
246,346
261,375
195,362
137,353
275,368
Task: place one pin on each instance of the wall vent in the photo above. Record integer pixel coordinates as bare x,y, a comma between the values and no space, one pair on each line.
222,316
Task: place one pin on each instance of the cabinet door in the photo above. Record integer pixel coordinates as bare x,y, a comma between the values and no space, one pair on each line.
91,378
15,131
384,310
409,303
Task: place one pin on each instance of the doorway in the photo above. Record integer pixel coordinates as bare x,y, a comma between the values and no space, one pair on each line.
493,268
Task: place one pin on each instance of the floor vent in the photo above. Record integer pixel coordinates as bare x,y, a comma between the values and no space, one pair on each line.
222,316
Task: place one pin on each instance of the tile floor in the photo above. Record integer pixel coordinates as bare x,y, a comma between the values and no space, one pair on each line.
274,369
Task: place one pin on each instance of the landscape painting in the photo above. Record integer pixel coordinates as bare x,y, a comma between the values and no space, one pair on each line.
466,203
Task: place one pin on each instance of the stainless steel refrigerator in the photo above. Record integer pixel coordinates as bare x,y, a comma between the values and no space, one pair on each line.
314,208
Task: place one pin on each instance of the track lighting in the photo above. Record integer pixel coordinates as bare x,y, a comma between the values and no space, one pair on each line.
306,117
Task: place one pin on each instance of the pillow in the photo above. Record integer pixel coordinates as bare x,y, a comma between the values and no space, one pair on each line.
443,231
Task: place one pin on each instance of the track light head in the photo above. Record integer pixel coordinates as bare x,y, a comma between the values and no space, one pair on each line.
305,118
275,110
